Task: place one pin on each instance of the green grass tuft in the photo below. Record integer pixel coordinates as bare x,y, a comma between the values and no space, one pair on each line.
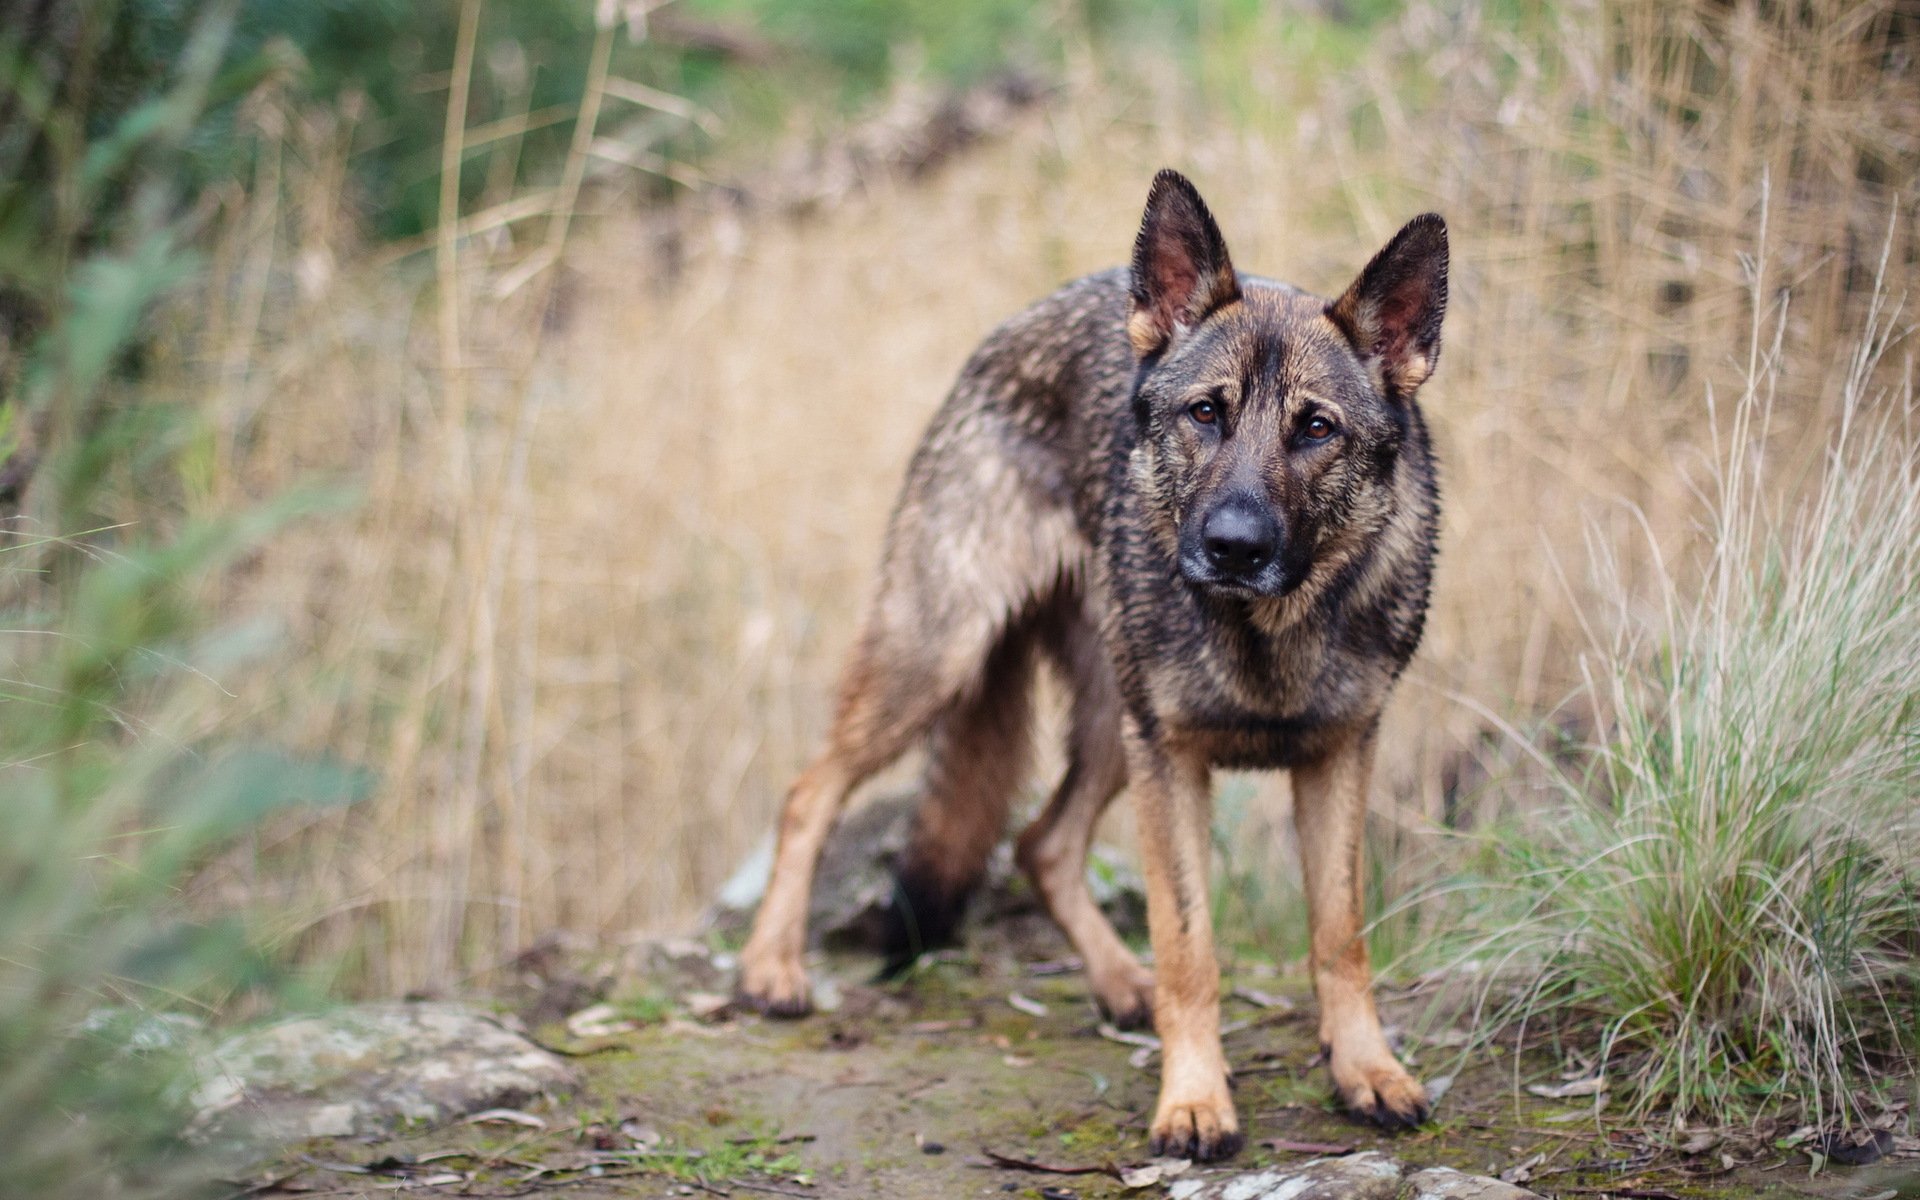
1733,893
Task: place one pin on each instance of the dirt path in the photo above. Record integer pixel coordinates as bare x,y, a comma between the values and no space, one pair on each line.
905,1091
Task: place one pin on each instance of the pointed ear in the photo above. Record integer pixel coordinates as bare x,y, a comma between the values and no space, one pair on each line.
1180,267
1392,312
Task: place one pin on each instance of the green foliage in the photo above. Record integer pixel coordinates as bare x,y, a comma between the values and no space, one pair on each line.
116,776
1735,895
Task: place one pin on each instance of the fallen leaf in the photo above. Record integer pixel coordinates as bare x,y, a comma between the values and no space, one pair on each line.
644,1136
1114,1033
1156,1171
706,1006
1017,1060
1027,1004
598,1021
1570,1090
507,1116
1437,1087
1260,999
1699,1142
1147,1044
1523,1171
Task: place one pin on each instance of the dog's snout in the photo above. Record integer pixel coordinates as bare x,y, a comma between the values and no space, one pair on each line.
1240,538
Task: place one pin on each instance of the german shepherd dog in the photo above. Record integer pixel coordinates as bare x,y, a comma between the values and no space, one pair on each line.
1209,500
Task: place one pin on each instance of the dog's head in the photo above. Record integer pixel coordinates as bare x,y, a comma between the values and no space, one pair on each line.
1271,421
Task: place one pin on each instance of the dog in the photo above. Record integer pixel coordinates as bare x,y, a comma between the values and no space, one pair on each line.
1209,500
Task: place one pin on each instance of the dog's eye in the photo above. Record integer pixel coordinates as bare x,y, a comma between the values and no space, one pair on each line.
1319,429
1204,411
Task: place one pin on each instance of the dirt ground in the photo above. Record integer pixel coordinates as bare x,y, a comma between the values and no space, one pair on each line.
912,1089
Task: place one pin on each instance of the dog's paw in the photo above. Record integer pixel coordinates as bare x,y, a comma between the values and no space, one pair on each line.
1203,1130
1126,997
1381,1092
774,985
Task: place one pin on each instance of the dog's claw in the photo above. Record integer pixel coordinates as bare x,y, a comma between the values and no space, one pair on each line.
1127,1004
1386,1096
1198,1147
775,989
1201,1132
784,1008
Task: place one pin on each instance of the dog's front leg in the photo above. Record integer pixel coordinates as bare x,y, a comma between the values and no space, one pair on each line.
1195,1116
1329,811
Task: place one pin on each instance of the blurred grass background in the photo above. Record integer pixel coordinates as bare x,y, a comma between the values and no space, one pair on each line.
617,325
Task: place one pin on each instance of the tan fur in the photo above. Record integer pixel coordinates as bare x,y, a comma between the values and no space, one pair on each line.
1329,808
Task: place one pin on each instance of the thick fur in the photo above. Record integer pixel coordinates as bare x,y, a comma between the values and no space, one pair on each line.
1209,499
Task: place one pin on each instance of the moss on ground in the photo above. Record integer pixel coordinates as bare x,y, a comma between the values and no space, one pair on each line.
903,1089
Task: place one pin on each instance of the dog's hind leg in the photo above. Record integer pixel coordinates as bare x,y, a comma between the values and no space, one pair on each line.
885,705
1053,850
978,753
974,548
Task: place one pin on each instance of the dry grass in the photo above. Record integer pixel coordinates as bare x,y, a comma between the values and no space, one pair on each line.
586,621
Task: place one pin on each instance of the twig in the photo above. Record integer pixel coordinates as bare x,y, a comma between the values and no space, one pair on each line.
762,1187
1028,1164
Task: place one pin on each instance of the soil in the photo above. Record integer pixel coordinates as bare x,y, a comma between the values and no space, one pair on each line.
910,1089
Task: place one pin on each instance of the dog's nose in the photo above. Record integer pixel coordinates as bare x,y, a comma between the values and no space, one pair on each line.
1240,538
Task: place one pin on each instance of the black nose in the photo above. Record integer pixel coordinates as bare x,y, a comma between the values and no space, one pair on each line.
1240,537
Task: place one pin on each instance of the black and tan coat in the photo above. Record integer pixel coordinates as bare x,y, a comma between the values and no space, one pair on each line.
1209,500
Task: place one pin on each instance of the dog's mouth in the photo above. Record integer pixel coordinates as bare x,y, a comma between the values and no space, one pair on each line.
1269,582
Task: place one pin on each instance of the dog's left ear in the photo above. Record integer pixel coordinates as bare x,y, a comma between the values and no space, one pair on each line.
1392,312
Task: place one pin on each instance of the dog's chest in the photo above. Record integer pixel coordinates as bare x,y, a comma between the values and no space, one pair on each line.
1245,700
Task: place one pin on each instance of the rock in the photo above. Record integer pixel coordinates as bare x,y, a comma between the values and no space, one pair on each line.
851,886
854,882
1368,1176
138,1031
367,1070
1445,1183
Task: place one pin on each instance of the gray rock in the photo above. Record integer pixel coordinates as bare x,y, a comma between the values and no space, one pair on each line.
1368,1176
854,881
365,1070
1445,1183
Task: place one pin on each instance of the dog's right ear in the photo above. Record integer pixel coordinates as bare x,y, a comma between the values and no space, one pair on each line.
1180,267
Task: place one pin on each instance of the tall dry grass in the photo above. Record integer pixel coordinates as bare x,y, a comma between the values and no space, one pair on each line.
616,534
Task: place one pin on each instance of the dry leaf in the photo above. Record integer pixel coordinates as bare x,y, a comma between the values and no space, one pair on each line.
598,1021
1570,1090
507,1116
1522,1172
1027,1004
1151,1173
